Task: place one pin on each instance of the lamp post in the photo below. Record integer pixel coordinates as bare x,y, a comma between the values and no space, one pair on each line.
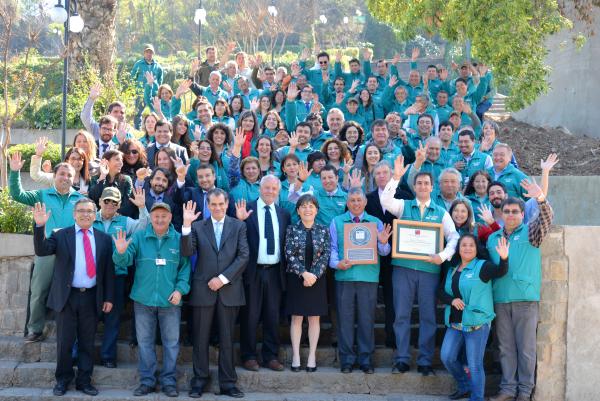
272,10
323,20
72,23
199,19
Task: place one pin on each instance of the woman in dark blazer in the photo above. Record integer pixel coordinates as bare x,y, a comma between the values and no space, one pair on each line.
307,250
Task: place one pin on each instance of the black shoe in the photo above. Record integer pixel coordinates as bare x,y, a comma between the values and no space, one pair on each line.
232,392
170,391
346,369
60,389
143,390
311,369
109,364
88,389
459,395
195,392
425,370
400,367
133,343
368,369
34,337
295,369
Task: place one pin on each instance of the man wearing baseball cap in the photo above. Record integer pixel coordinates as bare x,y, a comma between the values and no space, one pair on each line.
162,277
147,64
111,222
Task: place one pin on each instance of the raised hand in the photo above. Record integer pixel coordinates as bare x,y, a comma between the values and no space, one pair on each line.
295,69
292,92
305,53
367,54
177,162
149,78
502,248
486,143
194,148
41,144
95,91
399,167
240,210
303,171
393,81
47,166
454,66
197,133
103,169
385,234
183,87
532,188
338,56
16,161
339,97
227,86
485,213
483,69
156,104
416,51
550,162
347,166
195,66
239,138
189,213
293,141
139,198
443,74
121,131
467,108
356,180
355,84
121,241
40,216
254,104
142,173
420,155
396,59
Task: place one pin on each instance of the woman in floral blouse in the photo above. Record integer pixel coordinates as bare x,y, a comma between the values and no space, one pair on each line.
307,250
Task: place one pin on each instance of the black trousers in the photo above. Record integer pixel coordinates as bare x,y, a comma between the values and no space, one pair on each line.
77,320
203,318
263,301
385,279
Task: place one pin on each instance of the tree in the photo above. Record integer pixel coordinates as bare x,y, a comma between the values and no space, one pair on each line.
508,35
20,81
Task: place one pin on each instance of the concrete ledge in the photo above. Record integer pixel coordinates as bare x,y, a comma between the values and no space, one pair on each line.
16,245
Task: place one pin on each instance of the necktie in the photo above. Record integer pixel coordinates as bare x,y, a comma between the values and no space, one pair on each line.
104,147
269,235
205,209
90,264
218,232
307,107
356,219
422,209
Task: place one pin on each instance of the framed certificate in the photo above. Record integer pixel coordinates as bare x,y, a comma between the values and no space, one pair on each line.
360,243
416,239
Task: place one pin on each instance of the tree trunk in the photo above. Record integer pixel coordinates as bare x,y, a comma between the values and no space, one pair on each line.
5,135
97,41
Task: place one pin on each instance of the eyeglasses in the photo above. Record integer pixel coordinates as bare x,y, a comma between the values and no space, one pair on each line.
513,211
110,202
132,152
107,129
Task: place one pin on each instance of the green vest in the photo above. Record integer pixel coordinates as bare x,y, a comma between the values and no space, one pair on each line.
330,206
511,177
433,214
366,273
117,223
475,163
477,295
523,281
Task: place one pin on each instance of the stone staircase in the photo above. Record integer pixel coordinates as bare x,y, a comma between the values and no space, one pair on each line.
498,110
27,372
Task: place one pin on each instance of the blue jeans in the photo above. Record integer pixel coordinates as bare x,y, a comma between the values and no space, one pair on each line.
146,318
112,321
407,284
474,343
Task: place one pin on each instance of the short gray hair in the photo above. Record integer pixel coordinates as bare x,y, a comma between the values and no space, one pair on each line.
270,177
382,164
356,191
452,171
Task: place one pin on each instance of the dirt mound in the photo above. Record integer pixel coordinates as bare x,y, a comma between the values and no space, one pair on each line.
579,155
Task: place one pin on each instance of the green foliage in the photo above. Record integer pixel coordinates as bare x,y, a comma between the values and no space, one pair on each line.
27,150
508,35
15,217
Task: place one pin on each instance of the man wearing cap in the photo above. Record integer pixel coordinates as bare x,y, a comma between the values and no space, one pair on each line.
138,74
162,277
111,222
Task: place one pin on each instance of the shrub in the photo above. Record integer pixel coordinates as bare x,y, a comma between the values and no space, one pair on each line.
27,150
15,217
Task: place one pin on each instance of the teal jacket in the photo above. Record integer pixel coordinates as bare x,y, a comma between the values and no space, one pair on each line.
366,273
168,109
523,282
436,196
476,162
330,205
433,214
350,77
315,76
60,206
476,294
141,67
390,103
154,284
240,188
511,177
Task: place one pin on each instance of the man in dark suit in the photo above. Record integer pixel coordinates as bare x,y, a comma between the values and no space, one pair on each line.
264,278
222,248
162,136
383,174
82,288
107,128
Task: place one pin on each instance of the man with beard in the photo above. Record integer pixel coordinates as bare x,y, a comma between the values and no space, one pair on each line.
116,110
160,181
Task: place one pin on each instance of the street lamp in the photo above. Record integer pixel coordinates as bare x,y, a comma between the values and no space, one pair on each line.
73,23
272,10
323,19
199,19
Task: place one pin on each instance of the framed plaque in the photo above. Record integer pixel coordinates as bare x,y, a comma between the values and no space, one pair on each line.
416,239
360,243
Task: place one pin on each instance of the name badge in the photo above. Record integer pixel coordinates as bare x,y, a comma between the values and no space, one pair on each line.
161,262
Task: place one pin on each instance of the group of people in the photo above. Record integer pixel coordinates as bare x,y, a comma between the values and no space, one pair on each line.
232,207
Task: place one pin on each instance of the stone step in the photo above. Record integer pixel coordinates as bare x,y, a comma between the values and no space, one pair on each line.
325,380
108,394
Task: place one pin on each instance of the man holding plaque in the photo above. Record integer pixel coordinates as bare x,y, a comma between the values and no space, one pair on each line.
417,272
356,239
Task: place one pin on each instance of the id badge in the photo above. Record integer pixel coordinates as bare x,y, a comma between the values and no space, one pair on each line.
161,262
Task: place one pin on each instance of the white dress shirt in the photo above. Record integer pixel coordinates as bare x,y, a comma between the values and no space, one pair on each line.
263,257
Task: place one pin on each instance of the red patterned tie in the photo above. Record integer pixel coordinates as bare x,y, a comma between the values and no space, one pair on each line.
356,219
90,264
